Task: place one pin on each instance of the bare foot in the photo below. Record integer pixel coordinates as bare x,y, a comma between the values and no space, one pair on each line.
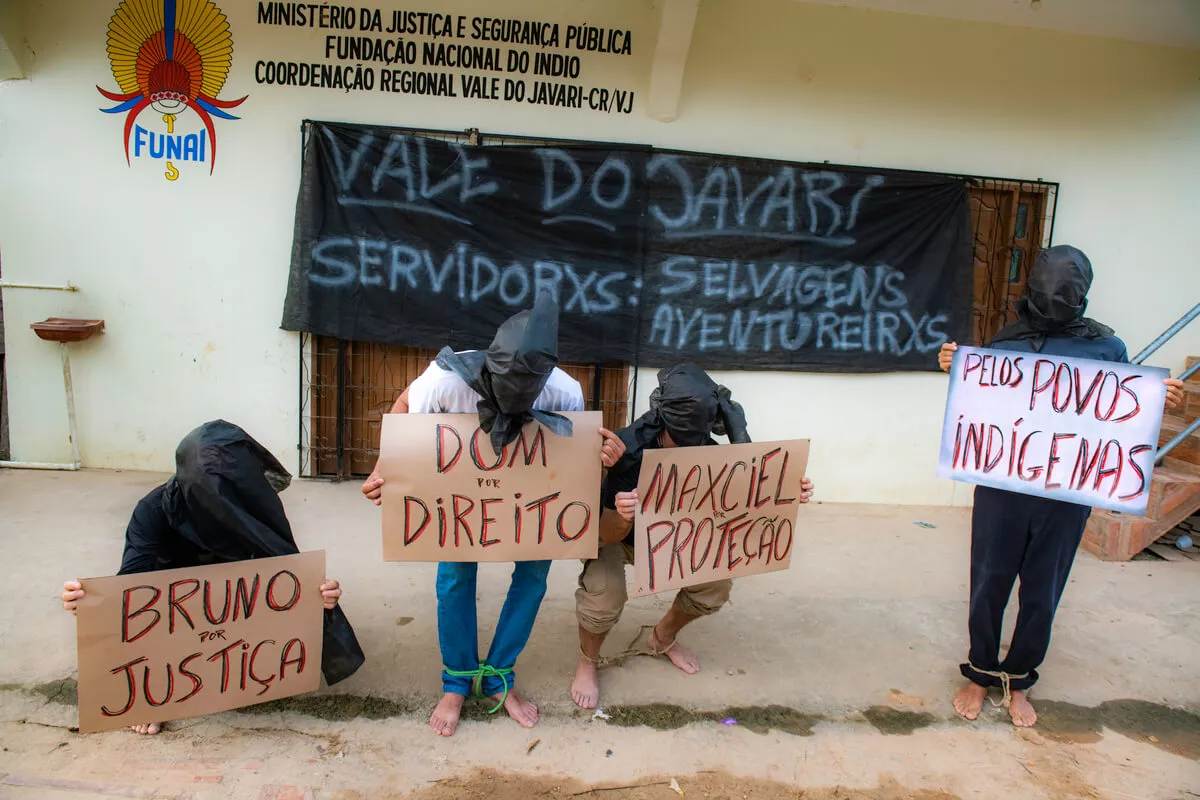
146,729
968,701
520,709
444,719
679,655
1021,710
585,691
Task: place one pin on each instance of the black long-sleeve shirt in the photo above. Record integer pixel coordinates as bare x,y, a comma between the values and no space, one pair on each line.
151,543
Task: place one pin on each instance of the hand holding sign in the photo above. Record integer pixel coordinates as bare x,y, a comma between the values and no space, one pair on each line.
372,487
946,355
331,592
1174,392
626,505
612,449
72,594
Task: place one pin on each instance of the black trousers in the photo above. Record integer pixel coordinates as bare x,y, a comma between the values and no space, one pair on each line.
1035,539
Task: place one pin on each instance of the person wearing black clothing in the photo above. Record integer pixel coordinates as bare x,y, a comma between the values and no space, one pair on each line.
223,505
1016,535
685,410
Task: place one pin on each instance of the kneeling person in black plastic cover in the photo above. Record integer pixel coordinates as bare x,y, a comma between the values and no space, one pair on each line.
223,505
685,410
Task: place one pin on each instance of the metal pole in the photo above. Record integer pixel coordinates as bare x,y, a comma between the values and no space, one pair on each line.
300,408
300,443
596,389
341,408
1166,335
37,465
74,427
1178,440
70,287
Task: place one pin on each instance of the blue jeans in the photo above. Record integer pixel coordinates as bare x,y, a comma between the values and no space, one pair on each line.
458,628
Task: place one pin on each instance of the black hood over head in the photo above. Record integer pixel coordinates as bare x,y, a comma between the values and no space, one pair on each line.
511,374
1055,300
691,407
224,499
224,494
522,355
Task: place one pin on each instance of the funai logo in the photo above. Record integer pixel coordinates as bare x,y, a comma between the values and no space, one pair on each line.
171,56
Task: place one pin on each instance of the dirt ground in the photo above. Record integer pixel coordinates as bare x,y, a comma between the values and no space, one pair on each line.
831,680
713,785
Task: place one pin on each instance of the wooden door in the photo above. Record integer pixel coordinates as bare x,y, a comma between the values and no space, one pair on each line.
1008,221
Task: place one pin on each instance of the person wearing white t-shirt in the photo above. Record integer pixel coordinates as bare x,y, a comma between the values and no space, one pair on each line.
440,391
514,381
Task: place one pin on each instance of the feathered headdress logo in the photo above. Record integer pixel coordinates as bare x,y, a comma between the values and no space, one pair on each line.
170,55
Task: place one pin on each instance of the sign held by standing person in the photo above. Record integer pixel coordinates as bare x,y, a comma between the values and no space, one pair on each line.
448,496
1069,429
176,643
709,513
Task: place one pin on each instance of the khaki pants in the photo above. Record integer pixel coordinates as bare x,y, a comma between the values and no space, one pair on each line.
602,595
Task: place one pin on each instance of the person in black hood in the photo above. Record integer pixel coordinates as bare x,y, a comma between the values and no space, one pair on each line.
686,409
514,381
223,505
1017,535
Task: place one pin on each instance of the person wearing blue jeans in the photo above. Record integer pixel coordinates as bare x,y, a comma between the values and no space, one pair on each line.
458,631
514,381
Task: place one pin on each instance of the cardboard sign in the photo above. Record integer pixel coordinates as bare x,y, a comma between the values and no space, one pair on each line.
1070,429
708,513
447,496
178,643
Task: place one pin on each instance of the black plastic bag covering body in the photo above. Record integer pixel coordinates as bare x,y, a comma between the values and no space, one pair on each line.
1055,300
223,499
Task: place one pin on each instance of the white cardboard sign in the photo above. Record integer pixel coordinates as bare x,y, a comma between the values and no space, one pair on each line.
1070,429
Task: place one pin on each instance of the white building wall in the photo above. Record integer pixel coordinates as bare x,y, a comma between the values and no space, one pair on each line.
190,275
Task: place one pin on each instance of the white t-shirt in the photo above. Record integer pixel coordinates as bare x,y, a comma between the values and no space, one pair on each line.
440,391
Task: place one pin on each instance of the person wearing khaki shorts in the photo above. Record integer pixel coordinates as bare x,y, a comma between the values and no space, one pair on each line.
602,595
685,410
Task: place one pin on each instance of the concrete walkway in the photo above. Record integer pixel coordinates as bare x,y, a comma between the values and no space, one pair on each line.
839,672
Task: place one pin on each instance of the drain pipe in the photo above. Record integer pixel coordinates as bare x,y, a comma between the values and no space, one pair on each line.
66,365
70,287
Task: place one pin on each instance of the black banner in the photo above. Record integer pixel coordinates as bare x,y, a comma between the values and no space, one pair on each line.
655,257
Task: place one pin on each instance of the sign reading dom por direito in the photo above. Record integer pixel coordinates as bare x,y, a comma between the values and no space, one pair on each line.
448,496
